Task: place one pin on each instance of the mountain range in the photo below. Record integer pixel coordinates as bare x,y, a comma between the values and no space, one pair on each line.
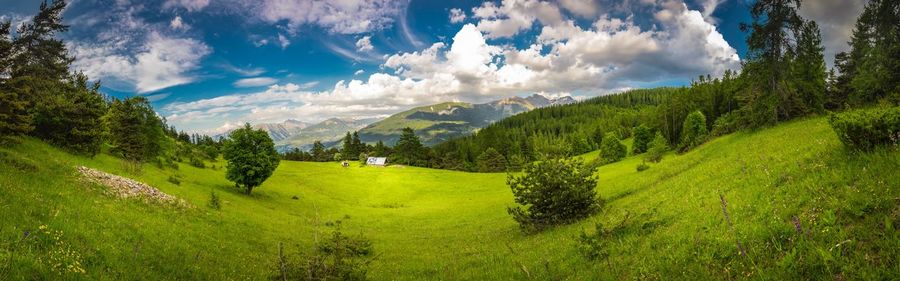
433,123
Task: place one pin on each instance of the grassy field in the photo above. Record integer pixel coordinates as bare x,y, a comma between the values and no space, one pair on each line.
435,224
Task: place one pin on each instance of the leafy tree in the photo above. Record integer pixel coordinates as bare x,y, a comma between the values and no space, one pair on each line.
642,137
409,150
251,157
693,132
612,150
318,152
554,191
658,147
491,161
135,131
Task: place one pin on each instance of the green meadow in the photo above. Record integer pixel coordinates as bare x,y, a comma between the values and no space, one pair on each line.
799,204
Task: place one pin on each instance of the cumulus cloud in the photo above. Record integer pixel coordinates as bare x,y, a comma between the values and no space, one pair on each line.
337,16
514,16
364,44
583,8
457,15
255,82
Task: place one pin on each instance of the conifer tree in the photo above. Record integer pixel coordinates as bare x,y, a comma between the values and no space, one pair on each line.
409,150
491,161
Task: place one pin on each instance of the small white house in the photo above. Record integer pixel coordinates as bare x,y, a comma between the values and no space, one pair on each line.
377,161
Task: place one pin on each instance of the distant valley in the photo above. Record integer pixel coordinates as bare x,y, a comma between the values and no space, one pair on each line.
433,123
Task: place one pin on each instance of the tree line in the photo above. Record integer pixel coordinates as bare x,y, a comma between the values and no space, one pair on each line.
41,97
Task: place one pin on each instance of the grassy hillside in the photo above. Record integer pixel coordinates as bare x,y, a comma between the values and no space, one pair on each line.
436,224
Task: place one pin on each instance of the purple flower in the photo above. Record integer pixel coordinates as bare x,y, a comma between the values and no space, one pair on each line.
25,234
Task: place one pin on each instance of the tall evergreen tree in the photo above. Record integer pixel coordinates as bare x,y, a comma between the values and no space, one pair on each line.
409,150
380,150
358,145
808,69
770,98
14,118
873,59
348,150
318,152
491,161
135,131
38,53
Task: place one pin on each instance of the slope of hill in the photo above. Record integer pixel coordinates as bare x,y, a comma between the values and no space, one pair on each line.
329,130
441,122
798,204
283,130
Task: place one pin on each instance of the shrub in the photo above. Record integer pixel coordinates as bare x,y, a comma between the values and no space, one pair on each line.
866,129
612,150
196,162
174,180
693,131
214,201
642,167
338,257
726,124
363,158
551,192
642,138
658,147
491,161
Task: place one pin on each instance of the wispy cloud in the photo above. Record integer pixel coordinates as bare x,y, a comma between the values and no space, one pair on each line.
255,82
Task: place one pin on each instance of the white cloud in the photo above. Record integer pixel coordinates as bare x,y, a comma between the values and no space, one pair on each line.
158,97
338,16
583,8
364,44
457,15
177,23
243,71
709,7
514,16
190,5
283,41
157,63
358,72
255,82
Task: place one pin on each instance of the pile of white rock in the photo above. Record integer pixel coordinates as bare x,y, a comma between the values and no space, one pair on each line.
127,188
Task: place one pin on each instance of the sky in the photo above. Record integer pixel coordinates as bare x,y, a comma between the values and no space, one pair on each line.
210,65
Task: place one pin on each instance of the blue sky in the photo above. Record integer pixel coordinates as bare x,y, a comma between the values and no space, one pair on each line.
209,65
